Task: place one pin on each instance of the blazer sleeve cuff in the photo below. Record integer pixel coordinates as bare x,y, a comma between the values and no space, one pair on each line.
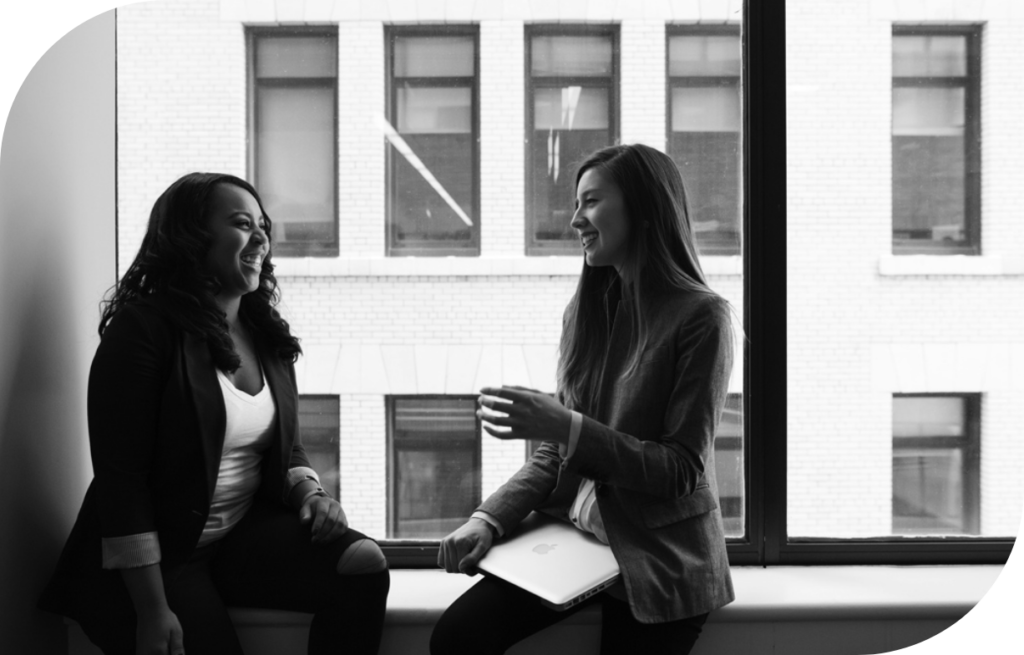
296,475
131,551
484,516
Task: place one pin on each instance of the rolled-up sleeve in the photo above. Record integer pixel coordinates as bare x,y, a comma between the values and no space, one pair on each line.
125,385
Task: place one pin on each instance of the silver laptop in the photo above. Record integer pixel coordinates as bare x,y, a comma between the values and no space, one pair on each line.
553,560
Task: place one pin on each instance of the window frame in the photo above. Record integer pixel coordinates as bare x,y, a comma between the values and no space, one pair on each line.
391,32
399,544
533,246
765,396
971,83
252,35
969,443
678,81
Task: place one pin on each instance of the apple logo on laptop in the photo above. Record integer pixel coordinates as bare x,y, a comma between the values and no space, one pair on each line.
544,549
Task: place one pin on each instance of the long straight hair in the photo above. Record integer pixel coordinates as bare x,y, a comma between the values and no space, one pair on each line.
170,266
661,255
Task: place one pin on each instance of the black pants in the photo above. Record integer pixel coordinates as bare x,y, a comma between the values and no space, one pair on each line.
493,616
266,561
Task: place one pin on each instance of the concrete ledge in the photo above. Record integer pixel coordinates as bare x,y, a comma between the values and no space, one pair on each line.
834,610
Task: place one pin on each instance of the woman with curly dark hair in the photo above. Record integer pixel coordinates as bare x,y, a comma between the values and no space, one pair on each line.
202,495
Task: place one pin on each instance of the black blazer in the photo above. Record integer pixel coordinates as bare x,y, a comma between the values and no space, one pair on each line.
156,431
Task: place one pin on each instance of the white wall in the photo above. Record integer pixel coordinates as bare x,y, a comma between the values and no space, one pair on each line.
56,260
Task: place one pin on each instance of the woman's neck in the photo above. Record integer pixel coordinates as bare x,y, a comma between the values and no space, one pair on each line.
230,308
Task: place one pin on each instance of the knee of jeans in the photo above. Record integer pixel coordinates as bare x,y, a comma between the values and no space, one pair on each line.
363,556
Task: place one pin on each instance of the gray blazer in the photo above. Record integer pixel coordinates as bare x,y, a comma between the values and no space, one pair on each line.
649,446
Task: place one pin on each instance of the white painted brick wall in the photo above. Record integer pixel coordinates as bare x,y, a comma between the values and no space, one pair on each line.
181,75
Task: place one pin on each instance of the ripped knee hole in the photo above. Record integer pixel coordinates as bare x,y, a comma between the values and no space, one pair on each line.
362,556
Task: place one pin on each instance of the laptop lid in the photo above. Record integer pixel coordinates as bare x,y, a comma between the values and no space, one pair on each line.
552,560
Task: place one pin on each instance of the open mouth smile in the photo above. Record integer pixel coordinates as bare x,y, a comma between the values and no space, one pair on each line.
588,238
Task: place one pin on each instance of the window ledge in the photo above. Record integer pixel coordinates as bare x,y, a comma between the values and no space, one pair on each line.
785,593
460,266
957,265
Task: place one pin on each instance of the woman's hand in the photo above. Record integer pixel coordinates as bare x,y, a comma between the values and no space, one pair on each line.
158,632
461,550
531,414
328,519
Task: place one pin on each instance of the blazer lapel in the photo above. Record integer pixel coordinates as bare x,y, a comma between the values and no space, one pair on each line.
284,399
209,404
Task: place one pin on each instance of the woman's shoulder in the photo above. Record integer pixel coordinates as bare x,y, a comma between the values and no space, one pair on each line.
686,307
149,316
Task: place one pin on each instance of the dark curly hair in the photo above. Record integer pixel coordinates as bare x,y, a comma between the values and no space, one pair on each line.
170,267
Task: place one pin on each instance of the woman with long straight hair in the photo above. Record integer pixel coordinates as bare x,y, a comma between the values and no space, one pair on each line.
203,496
643,371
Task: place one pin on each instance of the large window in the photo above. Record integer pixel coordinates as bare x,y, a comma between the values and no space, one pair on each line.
319,425
432,206
936,133
433,465
936,464
293,135
704,129
571,101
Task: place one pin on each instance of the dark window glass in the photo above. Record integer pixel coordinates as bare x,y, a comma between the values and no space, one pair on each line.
434,465
935,465
320,427
935,141
294,137
571,112
432,182
704,130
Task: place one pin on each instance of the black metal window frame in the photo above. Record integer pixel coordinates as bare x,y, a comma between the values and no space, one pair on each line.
971,83
706,81
765,408
391,32
252,34
415,553
534,246
968,443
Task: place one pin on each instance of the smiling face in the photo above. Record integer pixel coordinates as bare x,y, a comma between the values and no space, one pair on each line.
600,220
238,241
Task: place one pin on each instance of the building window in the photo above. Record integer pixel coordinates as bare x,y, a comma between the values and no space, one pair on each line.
935,464
320,427
704,130
433,133
433,464
729,468
293,135
936,140
571,111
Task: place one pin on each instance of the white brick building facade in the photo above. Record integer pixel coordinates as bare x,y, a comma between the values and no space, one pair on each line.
863,324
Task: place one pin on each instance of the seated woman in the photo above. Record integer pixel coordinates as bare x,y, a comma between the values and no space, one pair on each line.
203,496
643,371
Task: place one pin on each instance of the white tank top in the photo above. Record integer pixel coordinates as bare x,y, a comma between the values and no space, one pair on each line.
248,432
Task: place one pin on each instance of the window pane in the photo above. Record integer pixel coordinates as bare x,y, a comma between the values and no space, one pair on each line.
926,56
433,177
928,417
570,108
898,424
570,56
928,111
436,482
435,110
705,109
434,56
703,55
319,426
290,56
729,466
295,161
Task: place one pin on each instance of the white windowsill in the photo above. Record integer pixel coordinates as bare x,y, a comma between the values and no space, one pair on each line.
965,265
787,593
459,266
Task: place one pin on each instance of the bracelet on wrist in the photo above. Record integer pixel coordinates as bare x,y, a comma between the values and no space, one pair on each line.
316,492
